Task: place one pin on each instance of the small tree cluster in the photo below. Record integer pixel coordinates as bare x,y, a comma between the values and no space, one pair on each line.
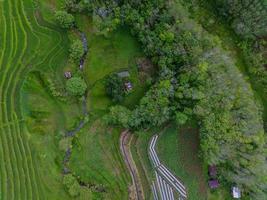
76,86
64,19
78,5
115,87
71,185
76,51
118,115
248,18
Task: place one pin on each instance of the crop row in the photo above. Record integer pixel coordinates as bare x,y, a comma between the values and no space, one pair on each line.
23,42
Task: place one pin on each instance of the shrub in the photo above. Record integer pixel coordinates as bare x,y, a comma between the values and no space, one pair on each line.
118,115
71,185
64,19
76,86
76,51
115,88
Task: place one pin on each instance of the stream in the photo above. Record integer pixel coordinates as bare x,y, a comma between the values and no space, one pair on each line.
72,133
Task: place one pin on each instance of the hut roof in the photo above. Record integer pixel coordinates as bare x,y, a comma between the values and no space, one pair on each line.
213,184
128,85
67,74
236,192
123,74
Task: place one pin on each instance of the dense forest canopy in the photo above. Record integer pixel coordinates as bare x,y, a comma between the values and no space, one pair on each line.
248,18
197,79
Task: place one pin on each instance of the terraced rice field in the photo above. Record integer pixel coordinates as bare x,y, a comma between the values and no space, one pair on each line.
26,42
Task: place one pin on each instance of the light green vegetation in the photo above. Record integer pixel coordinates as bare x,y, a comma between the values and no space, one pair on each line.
96,159
46,120
27,43
48,8
139,150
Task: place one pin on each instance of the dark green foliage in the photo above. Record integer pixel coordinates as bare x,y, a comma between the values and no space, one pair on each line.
64,19
248,18
76,51
115,87
254,58
78,5
105,20
76,86
181,118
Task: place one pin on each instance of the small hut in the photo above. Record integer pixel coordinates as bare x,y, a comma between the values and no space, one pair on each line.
123,74
213,184
236,192
128,86
67,75
212,170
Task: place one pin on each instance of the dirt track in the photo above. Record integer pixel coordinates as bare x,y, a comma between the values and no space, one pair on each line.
127,156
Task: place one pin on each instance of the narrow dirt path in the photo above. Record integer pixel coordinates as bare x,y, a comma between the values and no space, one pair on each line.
125,139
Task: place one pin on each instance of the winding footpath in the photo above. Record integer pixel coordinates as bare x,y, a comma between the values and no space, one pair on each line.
127,156
166,183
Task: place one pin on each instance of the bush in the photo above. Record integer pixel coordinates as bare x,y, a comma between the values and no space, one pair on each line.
71,185
64,19
76,86
115,88
118,115
76,51
181,118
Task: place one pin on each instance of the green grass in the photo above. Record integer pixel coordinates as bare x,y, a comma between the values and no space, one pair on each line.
219,194
178,150
97,160
139,150
106,55
28,43
110,54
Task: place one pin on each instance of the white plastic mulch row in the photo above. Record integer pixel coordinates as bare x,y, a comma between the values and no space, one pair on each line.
166,181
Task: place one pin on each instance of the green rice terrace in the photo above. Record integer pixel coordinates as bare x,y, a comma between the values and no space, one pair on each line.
138,100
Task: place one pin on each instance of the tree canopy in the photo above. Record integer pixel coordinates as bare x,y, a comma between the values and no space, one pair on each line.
64,19
115,87
76,86
76,51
